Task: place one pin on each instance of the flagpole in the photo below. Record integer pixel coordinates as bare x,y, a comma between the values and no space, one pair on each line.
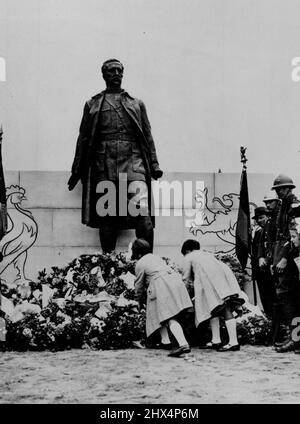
244,161
3,219
1,134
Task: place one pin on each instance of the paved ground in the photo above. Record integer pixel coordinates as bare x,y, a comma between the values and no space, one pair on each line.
252,375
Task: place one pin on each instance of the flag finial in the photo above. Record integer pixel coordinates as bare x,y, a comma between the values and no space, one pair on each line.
243,157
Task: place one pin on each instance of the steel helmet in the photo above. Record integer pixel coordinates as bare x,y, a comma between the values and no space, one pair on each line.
283,181
297,221
270,196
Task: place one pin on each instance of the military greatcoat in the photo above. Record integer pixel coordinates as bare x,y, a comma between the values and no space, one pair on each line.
143,158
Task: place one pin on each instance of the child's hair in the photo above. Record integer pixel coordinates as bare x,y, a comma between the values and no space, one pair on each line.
190,245
140,247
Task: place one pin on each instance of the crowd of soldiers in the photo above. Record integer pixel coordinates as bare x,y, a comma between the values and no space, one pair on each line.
275,260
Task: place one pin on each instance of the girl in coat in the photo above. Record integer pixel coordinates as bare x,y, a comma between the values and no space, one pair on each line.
164,293
216,293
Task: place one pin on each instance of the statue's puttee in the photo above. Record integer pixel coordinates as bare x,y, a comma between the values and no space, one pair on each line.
115,148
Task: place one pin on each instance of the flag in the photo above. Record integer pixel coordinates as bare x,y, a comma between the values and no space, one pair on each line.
3,228
243,235
3,210
6,305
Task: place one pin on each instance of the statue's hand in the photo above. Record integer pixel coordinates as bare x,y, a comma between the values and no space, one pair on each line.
158,173
73,180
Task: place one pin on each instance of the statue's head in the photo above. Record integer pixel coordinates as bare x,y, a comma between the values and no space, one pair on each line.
112,72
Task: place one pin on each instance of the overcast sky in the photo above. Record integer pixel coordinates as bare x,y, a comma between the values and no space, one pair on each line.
214,75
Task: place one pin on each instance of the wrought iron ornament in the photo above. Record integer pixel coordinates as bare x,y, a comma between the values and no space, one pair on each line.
243,157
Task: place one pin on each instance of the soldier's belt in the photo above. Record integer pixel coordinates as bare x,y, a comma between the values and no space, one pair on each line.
118,137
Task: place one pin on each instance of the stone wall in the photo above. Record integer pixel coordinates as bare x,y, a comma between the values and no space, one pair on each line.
46,230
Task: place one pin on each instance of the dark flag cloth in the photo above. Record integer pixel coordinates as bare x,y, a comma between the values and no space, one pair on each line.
3,210
243,235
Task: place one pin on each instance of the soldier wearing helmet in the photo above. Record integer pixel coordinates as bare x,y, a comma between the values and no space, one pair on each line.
286,275
289,209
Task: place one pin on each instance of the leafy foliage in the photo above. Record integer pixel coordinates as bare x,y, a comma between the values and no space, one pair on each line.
90,304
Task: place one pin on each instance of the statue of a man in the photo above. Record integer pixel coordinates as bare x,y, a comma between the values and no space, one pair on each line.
115,160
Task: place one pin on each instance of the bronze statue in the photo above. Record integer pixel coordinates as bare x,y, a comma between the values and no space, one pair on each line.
115,149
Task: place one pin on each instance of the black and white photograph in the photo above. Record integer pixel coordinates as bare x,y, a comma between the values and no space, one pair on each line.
149,205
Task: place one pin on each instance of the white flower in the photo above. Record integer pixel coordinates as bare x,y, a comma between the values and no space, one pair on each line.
27,332
24,290
122,301
77,264
128,279
61,303
67,318
70,275
94,322
97,273
103,311
47,294
101,326
97,323
129,252
83,297
28,308
85,346
102,297
16,316
95,270
37,294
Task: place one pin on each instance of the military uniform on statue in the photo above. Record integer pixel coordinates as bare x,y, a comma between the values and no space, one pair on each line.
115,145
